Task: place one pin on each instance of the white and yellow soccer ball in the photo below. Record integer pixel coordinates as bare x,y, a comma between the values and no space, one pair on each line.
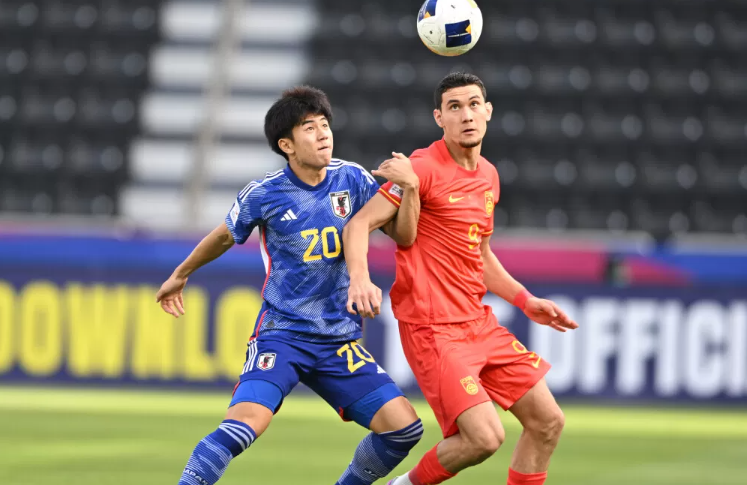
450,27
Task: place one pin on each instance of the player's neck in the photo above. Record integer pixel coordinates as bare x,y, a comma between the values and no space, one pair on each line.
464,157
307,174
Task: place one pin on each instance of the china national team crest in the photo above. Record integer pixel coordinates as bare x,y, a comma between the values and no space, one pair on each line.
266,361
469,385
341,204
489,202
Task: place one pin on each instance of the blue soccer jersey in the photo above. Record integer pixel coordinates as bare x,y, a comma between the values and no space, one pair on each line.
306,288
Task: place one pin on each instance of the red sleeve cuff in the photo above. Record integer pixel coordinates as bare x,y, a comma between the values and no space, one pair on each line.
390,197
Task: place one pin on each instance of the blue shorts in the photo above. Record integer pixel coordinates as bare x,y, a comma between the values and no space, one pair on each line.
344,375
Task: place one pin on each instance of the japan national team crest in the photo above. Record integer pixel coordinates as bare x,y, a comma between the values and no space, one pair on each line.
341,204
469,385
266,361
489,202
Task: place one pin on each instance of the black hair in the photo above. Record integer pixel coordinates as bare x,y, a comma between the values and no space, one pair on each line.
291,110
457,80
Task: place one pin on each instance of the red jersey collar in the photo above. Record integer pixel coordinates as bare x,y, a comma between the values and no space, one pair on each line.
443,151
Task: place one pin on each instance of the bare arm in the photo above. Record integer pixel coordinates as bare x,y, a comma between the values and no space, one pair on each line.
403,228
377,212
501,283
400,224
210,248
496,278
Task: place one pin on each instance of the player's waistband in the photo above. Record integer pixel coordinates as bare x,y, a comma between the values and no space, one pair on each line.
315,338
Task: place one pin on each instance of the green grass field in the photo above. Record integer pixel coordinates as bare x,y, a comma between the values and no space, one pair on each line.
87,437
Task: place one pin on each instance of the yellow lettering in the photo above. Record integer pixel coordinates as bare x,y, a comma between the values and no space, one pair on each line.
236,314
307,256
197,363
325,243
328,253
7,343
362,353
97,319
352,366
474,235
519,347
154,343
41,329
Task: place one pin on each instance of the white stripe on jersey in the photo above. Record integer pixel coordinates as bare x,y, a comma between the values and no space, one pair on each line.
262,243
254,184
342,163
246,189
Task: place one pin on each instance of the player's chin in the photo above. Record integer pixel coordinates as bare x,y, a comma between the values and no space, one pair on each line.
470,141
324,157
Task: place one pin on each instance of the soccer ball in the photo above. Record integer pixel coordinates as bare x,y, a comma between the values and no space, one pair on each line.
449,27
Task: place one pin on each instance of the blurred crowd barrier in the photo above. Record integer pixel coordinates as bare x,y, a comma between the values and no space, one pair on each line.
659,324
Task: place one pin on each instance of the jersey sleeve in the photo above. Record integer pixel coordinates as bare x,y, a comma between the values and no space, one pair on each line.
367,186
246,213
495,182
393,192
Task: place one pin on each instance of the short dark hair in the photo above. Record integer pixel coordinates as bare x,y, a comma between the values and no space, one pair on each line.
457,80
291,110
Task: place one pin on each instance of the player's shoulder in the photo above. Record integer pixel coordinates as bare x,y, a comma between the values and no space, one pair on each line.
488,169
339,167
422,159
428,164
434,155
261,187
430,154
487,166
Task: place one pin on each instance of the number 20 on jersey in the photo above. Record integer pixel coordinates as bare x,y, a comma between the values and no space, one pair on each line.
312,236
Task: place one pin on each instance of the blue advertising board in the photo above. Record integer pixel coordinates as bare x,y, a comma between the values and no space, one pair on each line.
100,325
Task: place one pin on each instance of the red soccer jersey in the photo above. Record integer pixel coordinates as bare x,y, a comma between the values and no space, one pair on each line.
440,277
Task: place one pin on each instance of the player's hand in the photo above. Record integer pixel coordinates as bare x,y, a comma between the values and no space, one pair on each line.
170,296
366,296
546,312
398,170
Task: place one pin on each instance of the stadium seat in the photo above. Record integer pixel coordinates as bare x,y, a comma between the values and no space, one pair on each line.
633,107
71,76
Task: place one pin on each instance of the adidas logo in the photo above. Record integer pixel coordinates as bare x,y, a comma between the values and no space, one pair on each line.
289,216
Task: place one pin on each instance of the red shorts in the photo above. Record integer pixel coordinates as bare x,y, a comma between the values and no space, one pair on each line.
459,366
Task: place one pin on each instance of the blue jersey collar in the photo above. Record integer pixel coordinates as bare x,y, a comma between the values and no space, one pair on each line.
300,183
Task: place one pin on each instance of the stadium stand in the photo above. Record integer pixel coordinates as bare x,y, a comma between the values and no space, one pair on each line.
624,115
72,73
267,57
618,115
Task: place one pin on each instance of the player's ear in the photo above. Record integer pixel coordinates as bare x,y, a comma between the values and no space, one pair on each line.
489,107
437,117
286,144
